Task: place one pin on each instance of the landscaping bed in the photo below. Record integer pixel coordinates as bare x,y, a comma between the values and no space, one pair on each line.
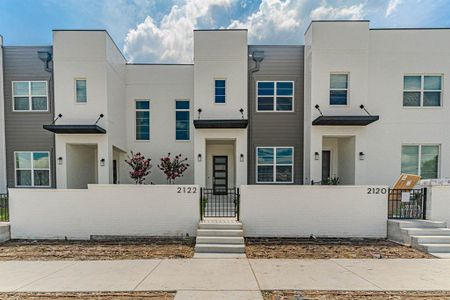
323,248
97,250
344,295
94,296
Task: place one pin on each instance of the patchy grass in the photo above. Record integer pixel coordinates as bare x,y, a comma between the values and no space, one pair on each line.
97,250
325,248
94,296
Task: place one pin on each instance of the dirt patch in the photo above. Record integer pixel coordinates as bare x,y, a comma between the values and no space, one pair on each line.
343,295
95,296
325,248
97,250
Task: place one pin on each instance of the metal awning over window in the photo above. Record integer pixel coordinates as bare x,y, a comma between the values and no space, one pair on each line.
75,129
344,120
222,124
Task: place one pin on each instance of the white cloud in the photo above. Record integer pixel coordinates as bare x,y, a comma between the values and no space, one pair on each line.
171,39
392,6
354,12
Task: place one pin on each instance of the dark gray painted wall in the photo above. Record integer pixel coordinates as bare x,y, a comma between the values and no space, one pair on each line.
277,128
24,130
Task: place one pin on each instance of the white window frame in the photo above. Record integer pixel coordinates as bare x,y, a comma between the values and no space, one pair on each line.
347,89
149,121
274,165
419,169
225,89
183,109
32,169
30,103
275,96
422,90
75,90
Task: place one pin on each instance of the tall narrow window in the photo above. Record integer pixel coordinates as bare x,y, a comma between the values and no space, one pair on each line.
30,96
220,92
81,90
275,95
422,90
32,169
338,89
182,120
421,160
274,164
142,120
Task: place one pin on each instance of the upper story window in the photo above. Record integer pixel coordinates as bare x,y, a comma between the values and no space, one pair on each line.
182,120
80,90
30,96
422,90
32,169
338,89
421,160
274,164
142,120
220,92
275,95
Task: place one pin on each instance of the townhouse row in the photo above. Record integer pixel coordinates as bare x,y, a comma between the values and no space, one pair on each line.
354,103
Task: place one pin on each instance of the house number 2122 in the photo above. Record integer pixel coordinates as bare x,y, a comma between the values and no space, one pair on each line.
186,190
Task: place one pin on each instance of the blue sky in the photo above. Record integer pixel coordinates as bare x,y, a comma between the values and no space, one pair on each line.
161,30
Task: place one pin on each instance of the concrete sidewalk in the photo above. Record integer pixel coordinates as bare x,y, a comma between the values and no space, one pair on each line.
241,278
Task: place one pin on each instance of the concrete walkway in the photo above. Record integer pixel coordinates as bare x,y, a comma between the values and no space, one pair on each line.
225,278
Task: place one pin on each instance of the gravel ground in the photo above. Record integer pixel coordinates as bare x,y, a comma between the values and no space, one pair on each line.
96,250
94,296
343,295
328,248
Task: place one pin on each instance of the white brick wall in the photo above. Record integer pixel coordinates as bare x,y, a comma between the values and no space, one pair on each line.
327,211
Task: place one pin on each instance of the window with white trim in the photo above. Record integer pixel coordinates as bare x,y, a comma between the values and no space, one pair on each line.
30,95
275,95
142,120
338,89
182,120
32,169
80,90
274,164
421,160
422,90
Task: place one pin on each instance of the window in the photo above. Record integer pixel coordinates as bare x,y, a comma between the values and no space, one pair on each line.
275,95
219,86
80,90
422,90
421,160
338,89
274,164
182,120
142,120
32,169
30,96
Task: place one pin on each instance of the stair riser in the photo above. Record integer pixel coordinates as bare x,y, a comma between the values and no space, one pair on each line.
434,249
428,232
431,240
220,240
424,225
210,233
218,249
220,226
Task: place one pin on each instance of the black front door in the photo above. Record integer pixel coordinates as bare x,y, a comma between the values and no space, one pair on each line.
326,165
220,175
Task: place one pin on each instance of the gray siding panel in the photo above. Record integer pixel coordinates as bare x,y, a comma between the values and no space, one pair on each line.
277,128
23,130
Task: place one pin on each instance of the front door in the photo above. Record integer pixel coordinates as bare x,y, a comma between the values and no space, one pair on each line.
220,175
326,165
115,181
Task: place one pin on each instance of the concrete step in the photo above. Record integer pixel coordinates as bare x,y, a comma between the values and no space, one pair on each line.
219,248
441,255
435,248
422,224
219,255
427,231
218,225
220,240
430,239
220,232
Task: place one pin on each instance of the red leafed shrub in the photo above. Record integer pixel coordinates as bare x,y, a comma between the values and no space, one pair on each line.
173,168
140,167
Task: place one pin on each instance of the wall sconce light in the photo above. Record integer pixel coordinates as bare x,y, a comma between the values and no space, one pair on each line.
60,160
242,157
199,157
102,162
362,156
316,155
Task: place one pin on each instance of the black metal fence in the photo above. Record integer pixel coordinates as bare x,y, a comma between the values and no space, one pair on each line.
219,205
4,208
407,204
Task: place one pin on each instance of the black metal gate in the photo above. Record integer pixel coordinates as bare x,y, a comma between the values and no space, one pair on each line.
407,204
219,205
4,208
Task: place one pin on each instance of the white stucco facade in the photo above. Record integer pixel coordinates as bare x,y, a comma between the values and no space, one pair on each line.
2,126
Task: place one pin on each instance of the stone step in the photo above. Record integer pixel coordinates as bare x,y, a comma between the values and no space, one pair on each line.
423,224
219,248
435,248
430,239
220,240
220,232
427,231
218,225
